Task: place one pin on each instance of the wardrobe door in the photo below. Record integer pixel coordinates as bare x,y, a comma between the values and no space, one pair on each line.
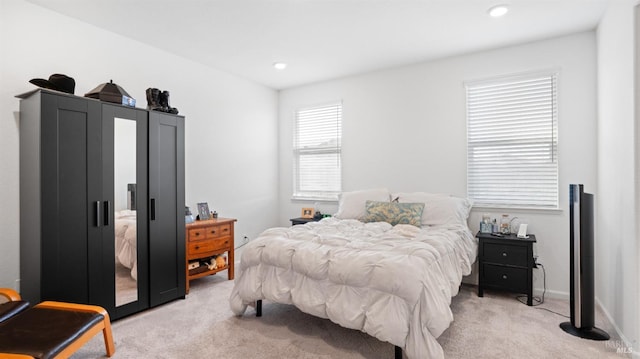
124,238
166,208
71,198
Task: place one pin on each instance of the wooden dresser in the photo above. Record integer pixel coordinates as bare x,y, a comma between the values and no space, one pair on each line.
206,239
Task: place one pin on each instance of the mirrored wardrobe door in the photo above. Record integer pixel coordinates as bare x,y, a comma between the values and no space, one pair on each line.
124,211
125,242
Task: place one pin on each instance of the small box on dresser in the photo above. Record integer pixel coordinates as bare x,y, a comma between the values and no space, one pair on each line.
206,239
506,262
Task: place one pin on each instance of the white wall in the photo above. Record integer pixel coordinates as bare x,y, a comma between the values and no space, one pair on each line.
231,123
405,129
617,272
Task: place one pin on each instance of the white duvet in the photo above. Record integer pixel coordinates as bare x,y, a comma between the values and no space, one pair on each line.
126,240
394,283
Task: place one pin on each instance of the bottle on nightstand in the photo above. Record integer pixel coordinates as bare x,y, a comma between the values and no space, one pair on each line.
505,224
485,224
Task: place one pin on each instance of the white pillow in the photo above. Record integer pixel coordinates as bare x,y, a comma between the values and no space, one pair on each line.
352,205
438,208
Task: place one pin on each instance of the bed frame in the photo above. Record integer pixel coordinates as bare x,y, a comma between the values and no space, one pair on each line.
398,350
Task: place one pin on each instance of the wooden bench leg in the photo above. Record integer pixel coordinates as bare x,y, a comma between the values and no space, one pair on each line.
109,346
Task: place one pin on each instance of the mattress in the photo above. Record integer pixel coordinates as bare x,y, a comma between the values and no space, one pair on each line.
392,282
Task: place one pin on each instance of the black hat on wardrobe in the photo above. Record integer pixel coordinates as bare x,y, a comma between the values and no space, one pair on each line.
57,82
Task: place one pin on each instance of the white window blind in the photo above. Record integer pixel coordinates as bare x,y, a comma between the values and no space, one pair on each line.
512,142
317,167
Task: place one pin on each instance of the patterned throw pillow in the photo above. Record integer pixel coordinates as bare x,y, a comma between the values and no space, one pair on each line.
394,213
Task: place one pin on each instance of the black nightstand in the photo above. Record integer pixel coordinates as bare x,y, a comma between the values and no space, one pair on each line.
506,263
301,220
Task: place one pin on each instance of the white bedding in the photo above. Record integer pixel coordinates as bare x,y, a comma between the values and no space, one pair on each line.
394,283
126,246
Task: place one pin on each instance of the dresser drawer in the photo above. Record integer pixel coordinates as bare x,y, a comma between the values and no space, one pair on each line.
514,279
200,247
218,231
196,234
505,254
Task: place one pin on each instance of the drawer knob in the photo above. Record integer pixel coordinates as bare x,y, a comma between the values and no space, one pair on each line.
213,232
197,247
504,276
504,254
197,233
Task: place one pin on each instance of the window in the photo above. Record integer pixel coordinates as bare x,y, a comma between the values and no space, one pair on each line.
512,142
317,167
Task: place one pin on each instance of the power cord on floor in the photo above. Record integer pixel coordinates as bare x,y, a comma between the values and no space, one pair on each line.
540,300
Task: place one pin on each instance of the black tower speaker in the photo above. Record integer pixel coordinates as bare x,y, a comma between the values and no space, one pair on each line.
582,296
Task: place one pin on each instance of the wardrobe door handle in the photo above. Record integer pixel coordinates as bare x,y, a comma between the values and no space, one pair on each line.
152,209
504,254
97,213
107,212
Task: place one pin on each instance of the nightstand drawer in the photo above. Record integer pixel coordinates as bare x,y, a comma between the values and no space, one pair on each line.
514,279
200,247
218,231
505,254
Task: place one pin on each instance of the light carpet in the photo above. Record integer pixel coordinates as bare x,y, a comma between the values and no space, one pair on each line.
203,326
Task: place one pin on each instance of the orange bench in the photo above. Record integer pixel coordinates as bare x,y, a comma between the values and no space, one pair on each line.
51,329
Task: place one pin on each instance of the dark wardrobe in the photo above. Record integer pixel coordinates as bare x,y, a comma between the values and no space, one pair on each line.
101,203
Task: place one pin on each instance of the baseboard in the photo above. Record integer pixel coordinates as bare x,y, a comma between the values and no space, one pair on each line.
622,346
551,293
473,281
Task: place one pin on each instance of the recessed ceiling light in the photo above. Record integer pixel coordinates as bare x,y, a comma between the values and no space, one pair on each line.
279,65
498,10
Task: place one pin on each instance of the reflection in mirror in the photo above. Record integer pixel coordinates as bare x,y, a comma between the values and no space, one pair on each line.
125,211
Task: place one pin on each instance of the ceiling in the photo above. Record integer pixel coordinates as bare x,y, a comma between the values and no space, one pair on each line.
327,39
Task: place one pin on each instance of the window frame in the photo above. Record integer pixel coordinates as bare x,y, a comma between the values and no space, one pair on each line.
319,195
552,168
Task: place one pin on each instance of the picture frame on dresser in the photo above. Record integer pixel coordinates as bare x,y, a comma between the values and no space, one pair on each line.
203,211
307,212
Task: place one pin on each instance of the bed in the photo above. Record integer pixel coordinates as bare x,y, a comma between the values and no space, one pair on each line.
368,271
126,240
